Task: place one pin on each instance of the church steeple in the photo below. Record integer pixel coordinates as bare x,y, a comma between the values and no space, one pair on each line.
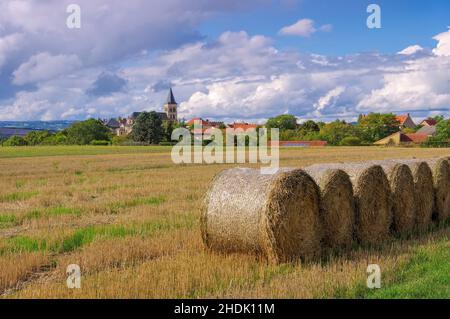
171,107
170,98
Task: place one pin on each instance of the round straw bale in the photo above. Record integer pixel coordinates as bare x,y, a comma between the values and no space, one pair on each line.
403,198
441,180
424,193
372,198
274,215
337,205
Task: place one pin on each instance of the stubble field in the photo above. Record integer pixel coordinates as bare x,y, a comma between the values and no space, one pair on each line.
130,218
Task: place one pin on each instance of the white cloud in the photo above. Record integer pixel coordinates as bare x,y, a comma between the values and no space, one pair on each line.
443,46
413,49
44,66
8,45
329,98
304,28
237,77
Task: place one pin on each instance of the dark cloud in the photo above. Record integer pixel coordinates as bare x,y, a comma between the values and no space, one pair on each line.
162,85
106,84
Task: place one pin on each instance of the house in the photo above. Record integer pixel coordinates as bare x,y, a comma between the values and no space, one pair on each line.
428,122
400,138
427,130
205,123
405,121
243,126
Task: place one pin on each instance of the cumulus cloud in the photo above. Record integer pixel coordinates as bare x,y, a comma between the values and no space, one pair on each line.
413,49
236,76
44,66
304,28
443,46
8,45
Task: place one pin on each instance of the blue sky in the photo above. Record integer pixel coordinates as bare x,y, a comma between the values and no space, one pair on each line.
404,22
232,60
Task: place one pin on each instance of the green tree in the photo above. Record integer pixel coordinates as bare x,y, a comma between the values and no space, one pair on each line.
438,118
148,128
350,141
335,131
36,137
15,141
443,130
83,133
376,126
283,122
60,138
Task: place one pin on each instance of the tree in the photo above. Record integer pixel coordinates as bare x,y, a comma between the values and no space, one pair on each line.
15,141
36,137
310,126
350,141
443,130
148,128
283,122
59,138
168,127
83,133
335,131
438,118
376,126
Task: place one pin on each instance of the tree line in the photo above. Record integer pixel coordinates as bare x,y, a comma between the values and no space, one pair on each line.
150,129
367,130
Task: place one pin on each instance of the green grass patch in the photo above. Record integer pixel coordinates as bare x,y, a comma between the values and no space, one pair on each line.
116,206
17,196
7,221
86,235
52,212
35,151
26,244
425,275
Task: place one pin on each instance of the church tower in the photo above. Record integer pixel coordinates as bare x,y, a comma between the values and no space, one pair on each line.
171,107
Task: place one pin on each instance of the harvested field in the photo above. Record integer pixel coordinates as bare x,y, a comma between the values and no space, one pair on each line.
90,206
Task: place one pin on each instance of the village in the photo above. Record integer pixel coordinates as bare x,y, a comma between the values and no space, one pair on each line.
407,132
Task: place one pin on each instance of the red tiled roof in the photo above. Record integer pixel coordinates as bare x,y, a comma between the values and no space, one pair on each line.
244,126
414,138
206,123
401,118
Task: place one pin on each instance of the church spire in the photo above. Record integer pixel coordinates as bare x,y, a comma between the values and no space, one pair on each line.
171,98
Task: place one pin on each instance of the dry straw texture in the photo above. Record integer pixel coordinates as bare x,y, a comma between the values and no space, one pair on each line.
274,215
337,205
403,199
372,198
424,193
441,179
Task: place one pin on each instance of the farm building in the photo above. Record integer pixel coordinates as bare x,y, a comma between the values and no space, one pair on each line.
401,138
428,122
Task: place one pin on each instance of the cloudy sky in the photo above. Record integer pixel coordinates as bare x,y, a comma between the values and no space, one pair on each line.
225,59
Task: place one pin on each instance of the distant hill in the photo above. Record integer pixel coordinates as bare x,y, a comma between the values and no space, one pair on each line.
22,128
